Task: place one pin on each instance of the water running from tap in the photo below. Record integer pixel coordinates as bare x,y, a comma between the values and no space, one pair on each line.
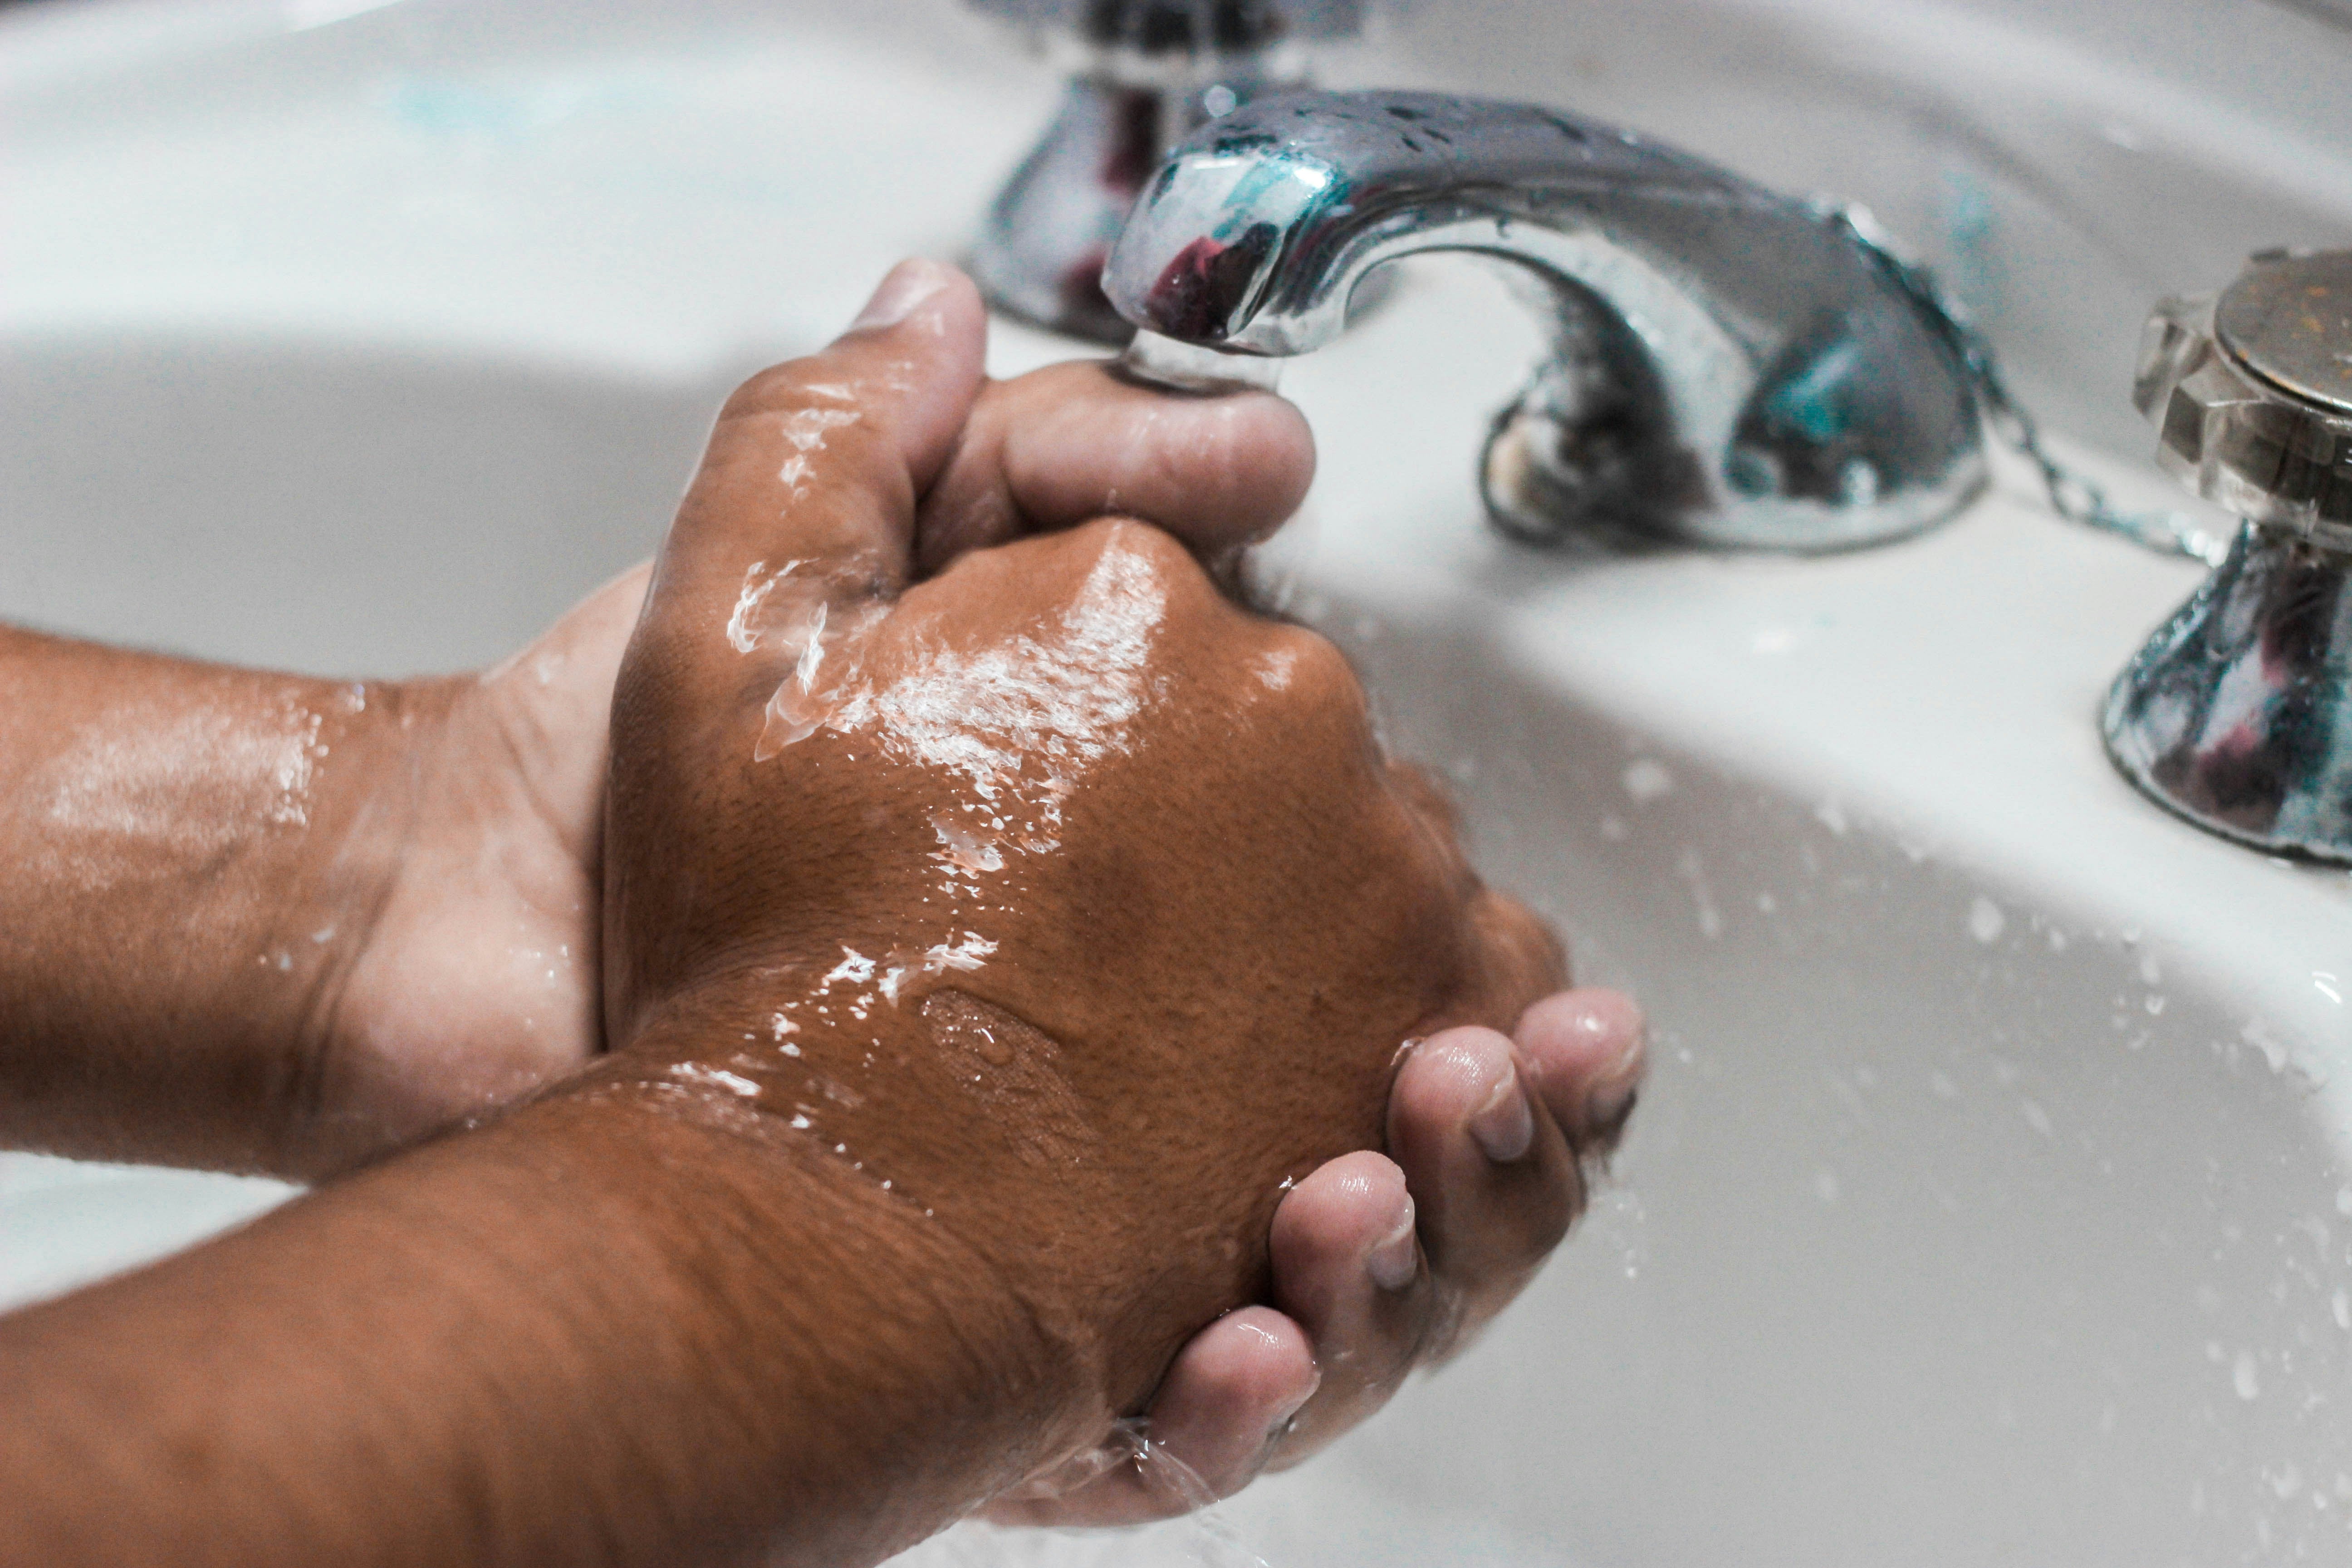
1202,1538
1182,367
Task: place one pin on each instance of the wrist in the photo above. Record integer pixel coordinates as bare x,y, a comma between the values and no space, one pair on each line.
468,980
378,751
888,1374
597,1331
960,1111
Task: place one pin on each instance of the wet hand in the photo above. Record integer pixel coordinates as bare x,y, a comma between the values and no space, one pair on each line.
507,865
1371,1284
472,980
1051,889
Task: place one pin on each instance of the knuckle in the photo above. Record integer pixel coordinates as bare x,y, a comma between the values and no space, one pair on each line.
1321,674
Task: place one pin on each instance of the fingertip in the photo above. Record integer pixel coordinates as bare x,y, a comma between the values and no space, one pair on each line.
1217,472
1587,1053
1230,1393
1339,1219
1448,1078
915,282
825,458
923,336
1270,454
1258,1351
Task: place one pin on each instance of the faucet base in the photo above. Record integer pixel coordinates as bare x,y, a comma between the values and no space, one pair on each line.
1609,483
2237,715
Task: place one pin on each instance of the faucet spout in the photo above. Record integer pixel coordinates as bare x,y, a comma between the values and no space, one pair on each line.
1728,366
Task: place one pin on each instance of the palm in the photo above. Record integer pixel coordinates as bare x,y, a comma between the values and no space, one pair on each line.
478,982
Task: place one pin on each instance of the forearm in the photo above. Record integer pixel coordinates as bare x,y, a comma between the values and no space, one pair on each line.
602,1332
189,850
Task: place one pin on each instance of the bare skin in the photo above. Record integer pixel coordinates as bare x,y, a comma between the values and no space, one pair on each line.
392,1024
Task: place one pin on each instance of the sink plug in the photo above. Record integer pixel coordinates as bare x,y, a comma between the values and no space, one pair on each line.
2238,714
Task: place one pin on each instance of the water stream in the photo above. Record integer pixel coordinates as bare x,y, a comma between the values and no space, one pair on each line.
1202,1538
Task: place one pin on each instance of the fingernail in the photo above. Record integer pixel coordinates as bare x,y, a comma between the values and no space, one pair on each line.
1394,1260
911,283
1280,1425
1610,1101
1504,1126
1606,1110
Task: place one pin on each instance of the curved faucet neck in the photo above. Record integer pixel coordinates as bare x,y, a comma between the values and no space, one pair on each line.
1727,365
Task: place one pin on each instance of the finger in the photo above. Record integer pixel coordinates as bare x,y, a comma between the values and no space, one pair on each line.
1233,1389
1585,1056
1073,442
1348,1267
1495,1180
815,468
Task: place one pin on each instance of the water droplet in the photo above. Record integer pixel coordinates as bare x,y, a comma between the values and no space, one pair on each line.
1986,922
2243,1377
1647,780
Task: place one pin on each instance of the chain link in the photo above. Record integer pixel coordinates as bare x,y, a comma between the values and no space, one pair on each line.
2073,494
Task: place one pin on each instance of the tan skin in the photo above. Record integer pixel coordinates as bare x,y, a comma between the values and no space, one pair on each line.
444,822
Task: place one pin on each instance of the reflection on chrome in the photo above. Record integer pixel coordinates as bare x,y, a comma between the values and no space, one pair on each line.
1728,366
2238,714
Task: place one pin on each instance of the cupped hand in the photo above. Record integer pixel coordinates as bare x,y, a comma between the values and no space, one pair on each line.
480,980
1050,890
476,978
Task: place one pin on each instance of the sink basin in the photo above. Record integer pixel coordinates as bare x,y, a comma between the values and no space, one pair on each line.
1992,1201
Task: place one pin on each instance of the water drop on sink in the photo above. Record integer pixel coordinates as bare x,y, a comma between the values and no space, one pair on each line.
1986,922
2243,1377
1647,780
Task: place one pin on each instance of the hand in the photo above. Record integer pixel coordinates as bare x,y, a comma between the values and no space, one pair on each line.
1037,453
1370,1284
473,979
1052,891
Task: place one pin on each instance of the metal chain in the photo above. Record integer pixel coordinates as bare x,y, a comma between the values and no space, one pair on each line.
2072,495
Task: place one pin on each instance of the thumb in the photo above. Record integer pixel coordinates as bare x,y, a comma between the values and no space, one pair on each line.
815,468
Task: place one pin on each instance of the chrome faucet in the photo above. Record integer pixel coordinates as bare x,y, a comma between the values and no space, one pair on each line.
1728,366
2238,713
1143,74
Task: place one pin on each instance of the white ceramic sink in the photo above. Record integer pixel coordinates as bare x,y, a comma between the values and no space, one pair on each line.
1992,1202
